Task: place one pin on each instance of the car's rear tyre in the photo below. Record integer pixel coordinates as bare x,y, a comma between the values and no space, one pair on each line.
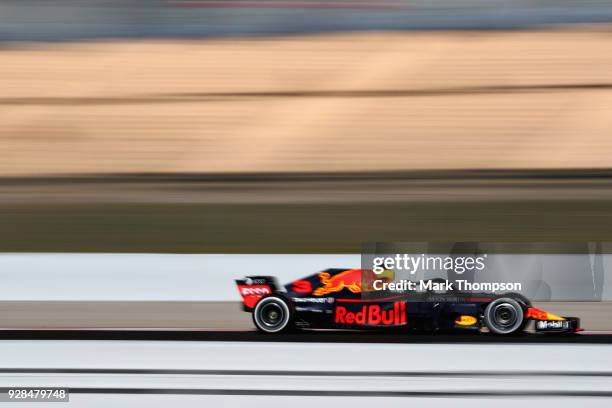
504,316
272,314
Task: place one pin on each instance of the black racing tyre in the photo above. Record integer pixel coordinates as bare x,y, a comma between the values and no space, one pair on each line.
522,299
272,314
504,316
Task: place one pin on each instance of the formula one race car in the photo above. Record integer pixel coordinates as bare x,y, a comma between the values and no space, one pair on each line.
345,299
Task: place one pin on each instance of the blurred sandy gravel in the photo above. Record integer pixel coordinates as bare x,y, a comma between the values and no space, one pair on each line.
366,101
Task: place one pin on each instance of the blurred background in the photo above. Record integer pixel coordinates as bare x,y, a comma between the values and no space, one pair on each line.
151,151
300,126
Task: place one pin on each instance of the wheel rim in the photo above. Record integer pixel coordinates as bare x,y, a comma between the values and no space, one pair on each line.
271,315
504,316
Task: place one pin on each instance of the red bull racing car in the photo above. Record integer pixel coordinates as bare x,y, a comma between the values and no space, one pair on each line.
345,299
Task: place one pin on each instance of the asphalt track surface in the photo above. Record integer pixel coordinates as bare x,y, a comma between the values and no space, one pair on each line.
306,336
239,373
179,316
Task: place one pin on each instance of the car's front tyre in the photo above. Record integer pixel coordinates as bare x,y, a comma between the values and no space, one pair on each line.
272,314
504,316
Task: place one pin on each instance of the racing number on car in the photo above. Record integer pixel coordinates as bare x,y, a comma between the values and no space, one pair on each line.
302,286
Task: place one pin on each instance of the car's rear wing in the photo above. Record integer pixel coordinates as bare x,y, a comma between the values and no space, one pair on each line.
253,288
